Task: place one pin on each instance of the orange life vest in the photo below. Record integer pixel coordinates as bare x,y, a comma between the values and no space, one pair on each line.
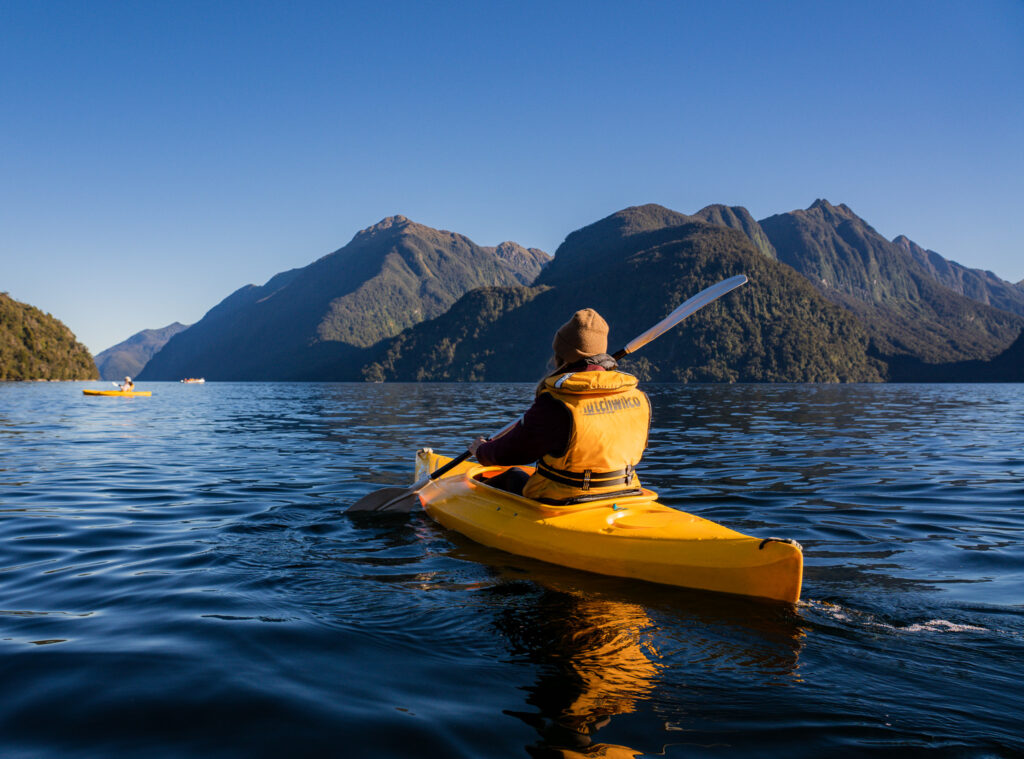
607,437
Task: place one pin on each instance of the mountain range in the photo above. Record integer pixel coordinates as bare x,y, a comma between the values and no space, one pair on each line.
634,267
829,299
891,319
982,286
127,358
316,322
906,310
36,345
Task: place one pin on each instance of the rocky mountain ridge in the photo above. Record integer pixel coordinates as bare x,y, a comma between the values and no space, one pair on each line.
313,322
976,284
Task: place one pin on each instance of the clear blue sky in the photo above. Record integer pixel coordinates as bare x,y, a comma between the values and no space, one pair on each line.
156,156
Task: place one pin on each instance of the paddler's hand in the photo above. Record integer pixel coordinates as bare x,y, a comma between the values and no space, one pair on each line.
476,444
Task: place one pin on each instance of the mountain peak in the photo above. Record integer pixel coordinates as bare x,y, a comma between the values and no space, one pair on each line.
524,263
827,208
129,357
739,218
509,247
586,247
308,323
388,223
648,216
628,221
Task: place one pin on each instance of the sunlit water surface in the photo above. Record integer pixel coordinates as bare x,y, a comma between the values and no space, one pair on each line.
178,577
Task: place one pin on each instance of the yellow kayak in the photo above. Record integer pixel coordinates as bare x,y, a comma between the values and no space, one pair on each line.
117,392
633,536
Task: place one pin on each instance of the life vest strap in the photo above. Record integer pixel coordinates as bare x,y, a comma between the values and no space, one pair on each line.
591,497
587,478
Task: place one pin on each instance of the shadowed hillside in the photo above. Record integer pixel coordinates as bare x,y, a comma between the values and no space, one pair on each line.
976,284
127,358
1007,366
314,322
905,309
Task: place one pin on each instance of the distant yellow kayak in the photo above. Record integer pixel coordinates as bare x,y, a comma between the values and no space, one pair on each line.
116,392
633,536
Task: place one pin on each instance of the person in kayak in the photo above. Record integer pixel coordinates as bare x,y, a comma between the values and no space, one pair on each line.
587,428
127,386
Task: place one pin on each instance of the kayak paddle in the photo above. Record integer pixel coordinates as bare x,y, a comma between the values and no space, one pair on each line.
406,499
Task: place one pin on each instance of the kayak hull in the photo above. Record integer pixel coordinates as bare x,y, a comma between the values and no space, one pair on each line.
634,537
117,392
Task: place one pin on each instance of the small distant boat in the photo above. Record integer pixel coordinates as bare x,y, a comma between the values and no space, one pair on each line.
193,380
117,392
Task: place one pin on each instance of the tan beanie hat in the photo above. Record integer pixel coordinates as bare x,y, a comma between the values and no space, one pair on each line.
584,335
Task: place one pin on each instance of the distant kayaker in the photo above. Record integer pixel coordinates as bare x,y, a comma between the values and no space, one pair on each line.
127,385
587,427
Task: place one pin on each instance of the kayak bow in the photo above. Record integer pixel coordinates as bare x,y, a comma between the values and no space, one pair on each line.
634,536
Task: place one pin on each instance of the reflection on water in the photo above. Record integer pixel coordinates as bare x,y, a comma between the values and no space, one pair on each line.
601,645
179,578
595,661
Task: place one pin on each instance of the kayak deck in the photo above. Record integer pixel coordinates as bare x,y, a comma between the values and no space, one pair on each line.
117,392
634,536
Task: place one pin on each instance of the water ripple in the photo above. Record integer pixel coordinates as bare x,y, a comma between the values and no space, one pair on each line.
179,577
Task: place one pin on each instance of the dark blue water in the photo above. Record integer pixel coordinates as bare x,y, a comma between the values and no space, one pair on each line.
177,577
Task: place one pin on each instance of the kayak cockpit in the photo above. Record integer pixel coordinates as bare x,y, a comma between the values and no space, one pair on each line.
476,475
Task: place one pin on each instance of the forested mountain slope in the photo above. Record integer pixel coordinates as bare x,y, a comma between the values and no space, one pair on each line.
634,267
35,345
312,323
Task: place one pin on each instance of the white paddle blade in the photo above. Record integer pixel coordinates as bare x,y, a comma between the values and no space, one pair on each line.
692,305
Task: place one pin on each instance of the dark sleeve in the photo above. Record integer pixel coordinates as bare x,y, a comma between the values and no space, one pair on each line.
544,428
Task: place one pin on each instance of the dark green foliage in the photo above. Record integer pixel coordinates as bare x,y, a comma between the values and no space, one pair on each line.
35,345
477,339
778,328
127,358
905,310
1008,366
